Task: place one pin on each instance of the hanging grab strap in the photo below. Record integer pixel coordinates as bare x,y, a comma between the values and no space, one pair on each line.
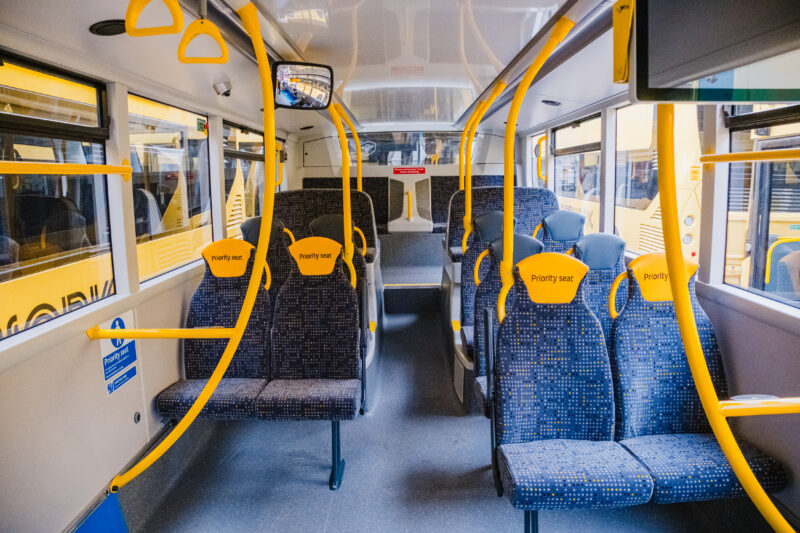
199,27
135,8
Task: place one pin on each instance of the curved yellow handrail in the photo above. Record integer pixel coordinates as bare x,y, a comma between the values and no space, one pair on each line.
560,30
570,251
96,333
478,266
65,169
769,254
410,213
612,295
357,142
713,408
249,16
482,108
788,154
135,8
195,29
363,239
536,230
289,233
542,177
346,209
278,150
462,144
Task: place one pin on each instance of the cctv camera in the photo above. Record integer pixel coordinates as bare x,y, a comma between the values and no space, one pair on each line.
222,88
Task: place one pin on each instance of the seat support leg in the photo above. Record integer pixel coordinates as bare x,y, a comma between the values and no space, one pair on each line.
531,521
336,452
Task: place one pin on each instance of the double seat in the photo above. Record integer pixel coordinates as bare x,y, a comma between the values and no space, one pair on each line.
298,359
577,426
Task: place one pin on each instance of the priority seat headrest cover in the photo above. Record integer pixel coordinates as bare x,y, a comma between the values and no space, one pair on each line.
315,256
489,225
227,258
564,225
551,278
600,250
524,246
652,276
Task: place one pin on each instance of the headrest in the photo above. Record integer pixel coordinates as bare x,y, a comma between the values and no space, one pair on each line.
252,226
227,258
524,246
489,225
564,225
650,272
600,250
551,278
315,256
329,226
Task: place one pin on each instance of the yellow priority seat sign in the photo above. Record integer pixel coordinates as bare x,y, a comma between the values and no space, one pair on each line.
227,258
651,274
315,256
551,278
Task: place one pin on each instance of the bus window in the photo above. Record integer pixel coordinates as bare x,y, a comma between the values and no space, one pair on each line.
244,176
55,252
763,243
172,202
637,209
576,176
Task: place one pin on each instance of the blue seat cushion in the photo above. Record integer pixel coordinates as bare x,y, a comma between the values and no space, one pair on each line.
690,467
468,339
480,390
233,399
309,399
572,474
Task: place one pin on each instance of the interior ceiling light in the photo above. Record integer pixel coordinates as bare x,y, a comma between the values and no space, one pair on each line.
553,103
107,28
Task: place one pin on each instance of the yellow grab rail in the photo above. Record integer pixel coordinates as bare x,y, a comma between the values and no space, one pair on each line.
65,169
790,154
346,209
202,27
410,213
759,406
135,8
462,144
249,16
713,408
560,30
160,333
769,254
536,230
278,150
357,141
539,143
288,232
612,295
363,239
482,108
478,262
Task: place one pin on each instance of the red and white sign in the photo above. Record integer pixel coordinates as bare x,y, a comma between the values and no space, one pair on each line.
408,170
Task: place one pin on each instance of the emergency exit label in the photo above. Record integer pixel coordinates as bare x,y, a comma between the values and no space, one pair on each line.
118,356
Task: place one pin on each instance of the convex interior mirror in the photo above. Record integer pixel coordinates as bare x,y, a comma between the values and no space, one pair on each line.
302,85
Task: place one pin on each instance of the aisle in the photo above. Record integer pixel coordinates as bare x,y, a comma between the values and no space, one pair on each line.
416,463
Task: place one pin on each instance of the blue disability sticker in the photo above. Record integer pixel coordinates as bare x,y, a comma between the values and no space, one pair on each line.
121,380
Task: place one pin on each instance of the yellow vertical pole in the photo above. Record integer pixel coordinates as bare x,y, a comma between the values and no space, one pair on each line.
357,141
483,107
560,30
249,16
461,145
688,327
346,209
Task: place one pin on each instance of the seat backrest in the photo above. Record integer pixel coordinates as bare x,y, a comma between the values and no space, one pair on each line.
376,187
315,333
531,205
279,260
443,188
604,254
655,392
561,230
552,374
488,227
332,227
217,301
298,208
487,292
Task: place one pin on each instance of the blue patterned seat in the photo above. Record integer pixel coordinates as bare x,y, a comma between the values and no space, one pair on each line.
659,415
553,407
278,258
486,296
561,230
217,302
604,254
332,227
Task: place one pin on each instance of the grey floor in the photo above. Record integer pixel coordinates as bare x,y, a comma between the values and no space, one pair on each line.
416,463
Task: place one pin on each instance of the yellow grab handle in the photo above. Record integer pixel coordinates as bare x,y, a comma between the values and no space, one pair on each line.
65,169
467,233
202,27
279,149
769,254
478,266
788,154
536,230
357,142
612,295
571,251
410,206
462,143
363,240
347,214
96,333
135,8
542,177
351,268
289,233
